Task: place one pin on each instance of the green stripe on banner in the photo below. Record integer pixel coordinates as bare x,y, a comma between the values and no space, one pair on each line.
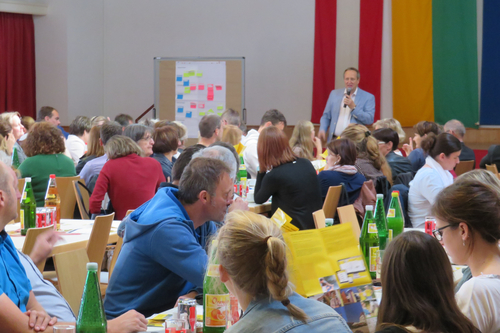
454,53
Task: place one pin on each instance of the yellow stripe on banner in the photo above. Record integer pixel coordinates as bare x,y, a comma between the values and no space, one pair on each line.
413,95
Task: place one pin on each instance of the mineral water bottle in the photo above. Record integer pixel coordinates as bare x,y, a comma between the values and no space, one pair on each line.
91,317
52,198
369,241
27,212
395,220
15,158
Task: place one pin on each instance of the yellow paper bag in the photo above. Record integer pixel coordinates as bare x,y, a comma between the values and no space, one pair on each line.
283,221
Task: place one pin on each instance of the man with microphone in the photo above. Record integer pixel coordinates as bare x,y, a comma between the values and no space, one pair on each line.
345,106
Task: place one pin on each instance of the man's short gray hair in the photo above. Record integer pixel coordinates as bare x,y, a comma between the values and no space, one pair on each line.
220,153
455,126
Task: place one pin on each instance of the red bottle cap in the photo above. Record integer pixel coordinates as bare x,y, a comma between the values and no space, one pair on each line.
52,176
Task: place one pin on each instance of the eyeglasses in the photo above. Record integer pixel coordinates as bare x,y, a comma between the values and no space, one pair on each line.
438,233
147,138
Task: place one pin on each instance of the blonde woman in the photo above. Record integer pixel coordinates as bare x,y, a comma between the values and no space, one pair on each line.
7,141
94,148
231,134
259,280
304,140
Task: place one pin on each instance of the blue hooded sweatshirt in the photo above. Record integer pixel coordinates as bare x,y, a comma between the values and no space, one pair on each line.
163,257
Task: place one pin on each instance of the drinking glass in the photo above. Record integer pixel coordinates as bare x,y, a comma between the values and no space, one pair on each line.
64,329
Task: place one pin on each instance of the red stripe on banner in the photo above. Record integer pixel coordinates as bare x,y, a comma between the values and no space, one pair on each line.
370,49
324,55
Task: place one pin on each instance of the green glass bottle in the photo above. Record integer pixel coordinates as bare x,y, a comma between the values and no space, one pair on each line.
27,211
91,317
215,297
395,219
242,179
369,242
380,220
15,158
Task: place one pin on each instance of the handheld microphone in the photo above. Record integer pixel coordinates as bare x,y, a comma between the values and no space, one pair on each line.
348,94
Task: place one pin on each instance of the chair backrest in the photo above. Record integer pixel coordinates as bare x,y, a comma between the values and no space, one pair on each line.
464,166
20,187
331,201
319,219
347,214
82,198
96,247
71,270
29,242
67,195
117,250
492,168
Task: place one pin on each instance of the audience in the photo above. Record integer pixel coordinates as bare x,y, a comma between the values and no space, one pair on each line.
18,130
143,136
168,235
124,120
165,147
44,149
94,148
270,118
129,179
388,141
291,181
231,117
417,155
457,129
468,226
7,142
393,124
304,140
443,151
417,280
231,134
76,143
340,168
181,163
259,280
210,130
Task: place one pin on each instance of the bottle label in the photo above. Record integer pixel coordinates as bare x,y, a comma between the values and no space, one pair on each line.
21,218
373,258
390,235
24,195
213,270
372,228
391,212
216,308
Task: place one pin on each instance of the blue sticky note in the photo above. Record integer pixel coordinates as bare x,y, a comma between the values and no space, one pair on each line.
180,109
179,78
180,96
186,83
189,114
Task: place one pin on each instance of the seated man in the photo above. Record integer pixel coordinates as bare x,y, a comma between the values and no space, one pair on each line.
163,256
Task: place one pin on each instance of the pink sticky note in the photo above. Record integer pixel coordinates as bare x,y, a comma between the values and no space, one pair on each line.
201,87
210,97
201,105
210,86
218,87
193,105
192,87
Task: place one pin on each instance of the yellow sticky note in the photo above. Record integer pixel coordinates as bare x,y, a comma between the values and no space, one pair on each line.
325,154
192,73
239,148
201,113
187,90
199,74
186,74
210,111
219,114
220,107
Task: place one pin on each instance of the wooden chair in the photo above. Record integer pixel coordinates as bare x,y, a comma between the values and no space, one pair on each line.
96,246
347,214
29,242
332,201
67,195
116,251
20,187
319,218
463,167
71,270
492,168
82,198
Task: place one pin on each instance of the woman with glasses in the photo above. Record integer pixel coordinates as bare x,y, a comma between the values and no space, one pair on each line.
417,284
468,226
443,151
142,135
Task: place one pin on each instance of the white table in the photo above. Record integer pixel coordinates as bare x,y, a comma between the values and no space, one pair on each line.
199,310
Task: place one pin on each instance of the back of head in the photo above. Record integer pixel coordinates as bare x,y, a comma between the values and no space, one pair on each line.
391,123
98,120
273,149
94,147
201,174
425,127
121,146
456,127
137,131
45,111
166,140
27,122
274,116
411,291
183,160
79,125
231,148
442,143
232,117
44,139
231,134
124,119
345,148
208,124
110,129
481,175
221,153
182,131
5,131
387,135
262,270
301,137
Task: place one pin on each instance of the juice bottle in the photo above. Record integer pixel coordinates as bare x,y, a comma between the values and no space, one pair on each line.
52,198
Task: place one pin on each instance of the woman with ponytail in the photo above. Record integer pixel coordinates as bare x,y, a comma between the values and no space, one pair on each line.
253,266
443,151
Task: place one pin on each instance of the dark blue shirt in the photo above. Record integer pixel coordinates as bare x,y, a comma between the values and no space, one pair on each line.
352,183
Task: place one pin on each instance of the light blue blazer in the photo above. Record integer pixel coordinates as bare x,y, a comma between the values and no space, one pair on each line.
362,114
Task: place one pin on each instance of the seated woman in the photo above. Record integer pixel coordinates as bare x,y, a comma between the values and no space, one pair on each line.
165,147
94,148
259,280
7,142
304,140
231,134
443,151
129,179
417,155
395,125
340,169
388,141
414,299
291,181
370,162
468,226
44,148
142,135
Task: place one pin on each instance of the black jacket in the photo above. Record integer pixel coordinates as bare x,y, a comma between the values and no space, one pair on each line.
399,164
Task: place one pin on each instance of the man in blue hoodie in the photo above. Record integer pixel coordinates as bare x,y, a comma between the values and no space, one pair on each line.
163,255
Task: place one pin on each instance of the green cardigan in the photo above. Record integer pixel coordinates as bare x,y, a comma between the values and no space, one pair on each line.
40,167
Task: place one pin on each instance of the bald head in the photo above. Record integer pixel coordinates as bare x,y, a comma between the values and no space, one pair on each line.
456,128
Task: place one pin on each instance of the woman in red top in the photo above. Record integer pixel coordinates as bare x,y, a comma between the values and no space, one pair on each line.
129,179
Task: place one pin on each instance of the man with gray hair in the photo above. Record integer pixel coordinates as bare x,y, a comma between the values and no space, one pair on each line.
457,129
